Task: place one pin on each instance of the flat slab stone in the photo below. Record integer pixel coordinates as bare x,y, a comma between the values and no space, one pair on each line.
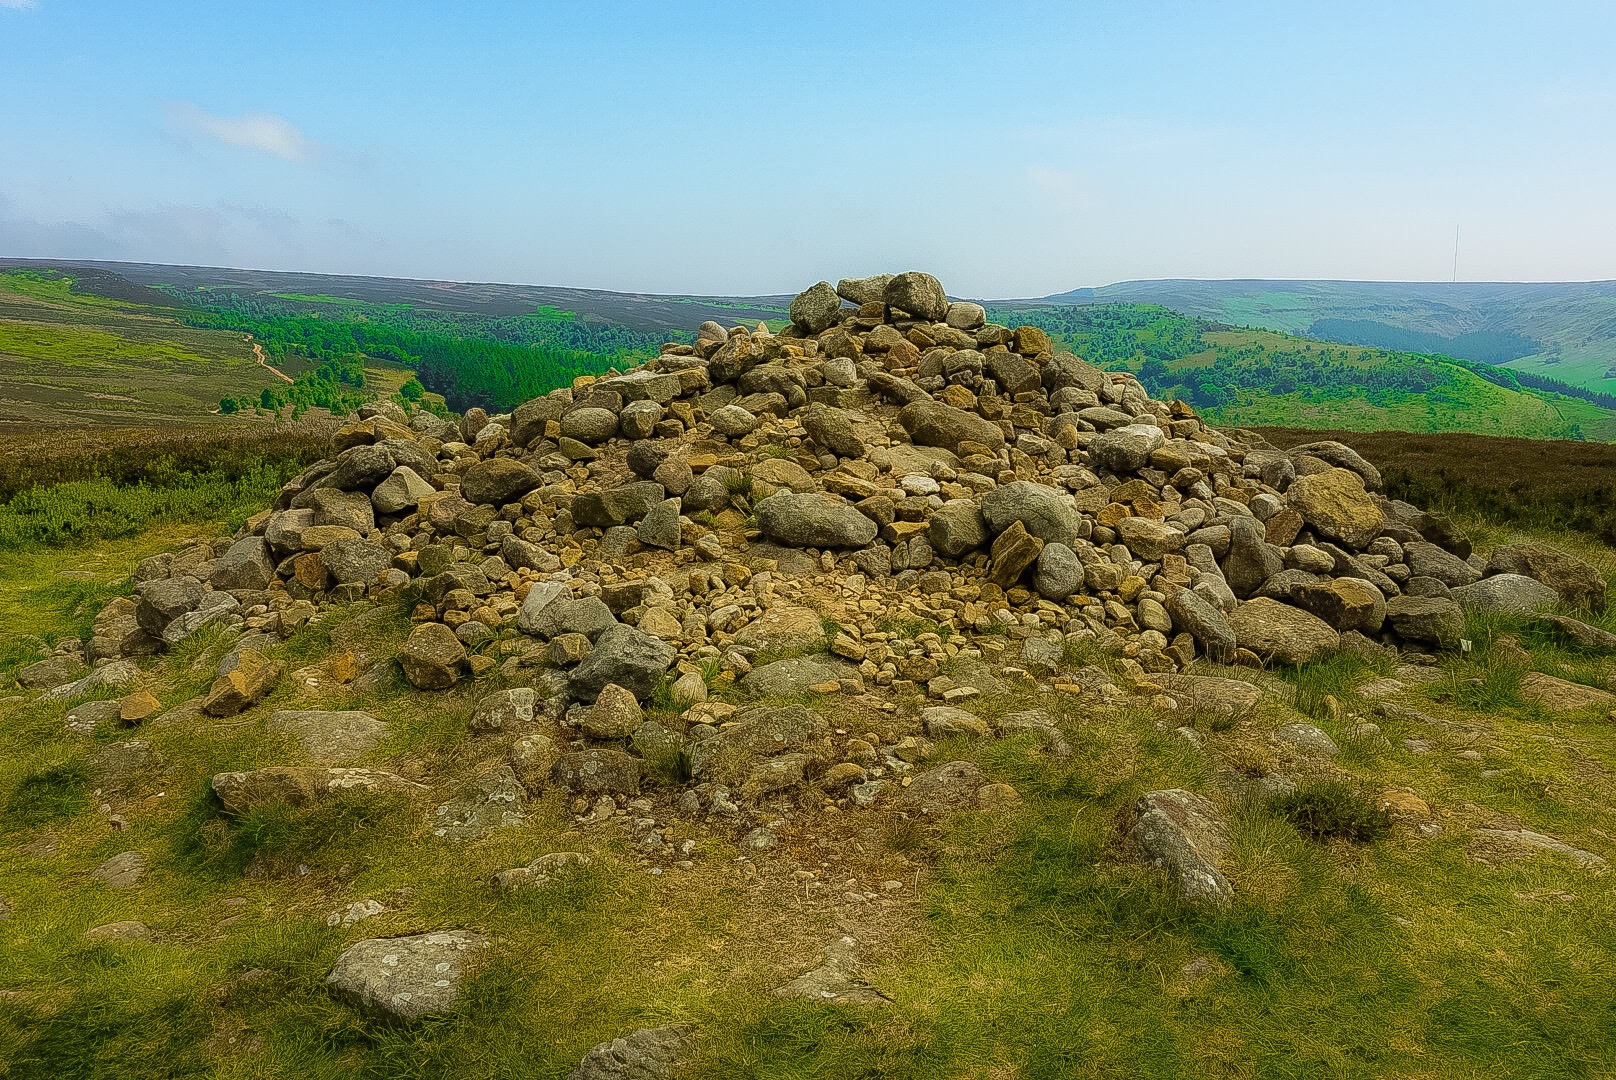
1488,845
330,738
647,1054
405,978
835,982
1558,695
784,678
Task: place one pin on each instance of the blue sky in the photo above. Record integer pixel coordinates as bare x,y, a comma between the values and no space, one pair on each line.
1014,149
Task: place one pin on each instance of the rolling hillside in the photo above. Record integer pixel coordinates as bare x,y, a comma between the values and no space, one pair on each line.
495,345
75,359
1562,330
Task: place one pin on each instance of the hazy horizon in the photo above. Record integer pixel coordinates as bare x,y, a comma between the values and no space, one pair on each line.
725,149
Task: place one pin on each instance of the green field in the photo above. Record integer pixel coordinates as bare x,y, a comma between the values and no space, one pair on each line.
1247,377
70,359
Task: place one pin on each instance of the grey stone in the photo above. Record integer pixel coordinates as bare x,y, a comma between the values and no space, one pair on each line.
832,428
660,528
353,560
432,657
1280,633
123,871
587,615
1199,618
590,425
813,520
785,678
1059,574
401,491
954,786
504,710
1579,584
330,738
623,655
491,801
618,506
1506,592
1046,513
865,290
957,527
164,600
344,509
406,978
918,294
817,308
1126,449
1182,833
755,734
246,566
1307,738
646,1054
597,772
931,423
1430,620
1428,560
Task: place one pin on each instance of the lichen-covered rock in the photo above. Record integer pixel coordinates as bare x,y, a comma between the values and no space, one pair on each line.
433,658
1336,505
406,978
1280,633
816,308
623,655
813,520
1046,513
1577,583
1182,833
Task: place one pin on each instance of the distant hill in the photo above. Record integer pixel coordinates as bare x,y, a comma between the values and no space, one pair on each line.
1209,342
1561,330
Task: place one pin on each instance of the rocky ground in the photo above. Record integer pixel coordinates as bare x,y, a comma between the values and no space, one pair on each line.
755,627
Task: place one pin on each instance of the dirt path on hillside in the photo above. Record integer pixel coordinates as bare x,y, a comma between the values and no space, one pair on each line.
263,361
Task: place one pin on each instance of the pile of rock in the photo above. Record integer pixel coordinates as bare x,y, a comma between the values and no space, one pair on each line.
889,467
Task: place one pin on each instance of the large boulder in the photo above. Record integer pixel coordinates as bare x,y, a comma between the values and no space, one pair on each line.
1046,513
246,566
931,423
1578,583
1193,614
1251,560
1282,634
354,560
1506,592
833,429
497,481
623,655
1430,620
590,425
401,491
165,599
1183,834
432,657
816,308
957,527
406,978
1429,560
865,290
1345,603
918,294
1335,504
813,520
1126,449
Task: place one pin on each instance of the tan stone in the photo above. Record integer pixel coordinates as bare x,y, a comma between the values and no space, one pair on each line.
140,705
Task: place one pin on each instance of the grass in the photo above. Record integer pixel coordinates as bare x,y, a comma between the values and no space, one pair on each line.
1024,943
70,359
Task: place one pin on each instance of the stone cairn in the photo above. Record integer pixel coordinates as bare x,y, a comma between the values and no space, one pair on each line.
886,484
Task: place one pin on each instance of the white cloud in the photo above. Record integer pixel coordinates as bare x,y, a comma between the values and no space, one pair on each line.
264,132
18,4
